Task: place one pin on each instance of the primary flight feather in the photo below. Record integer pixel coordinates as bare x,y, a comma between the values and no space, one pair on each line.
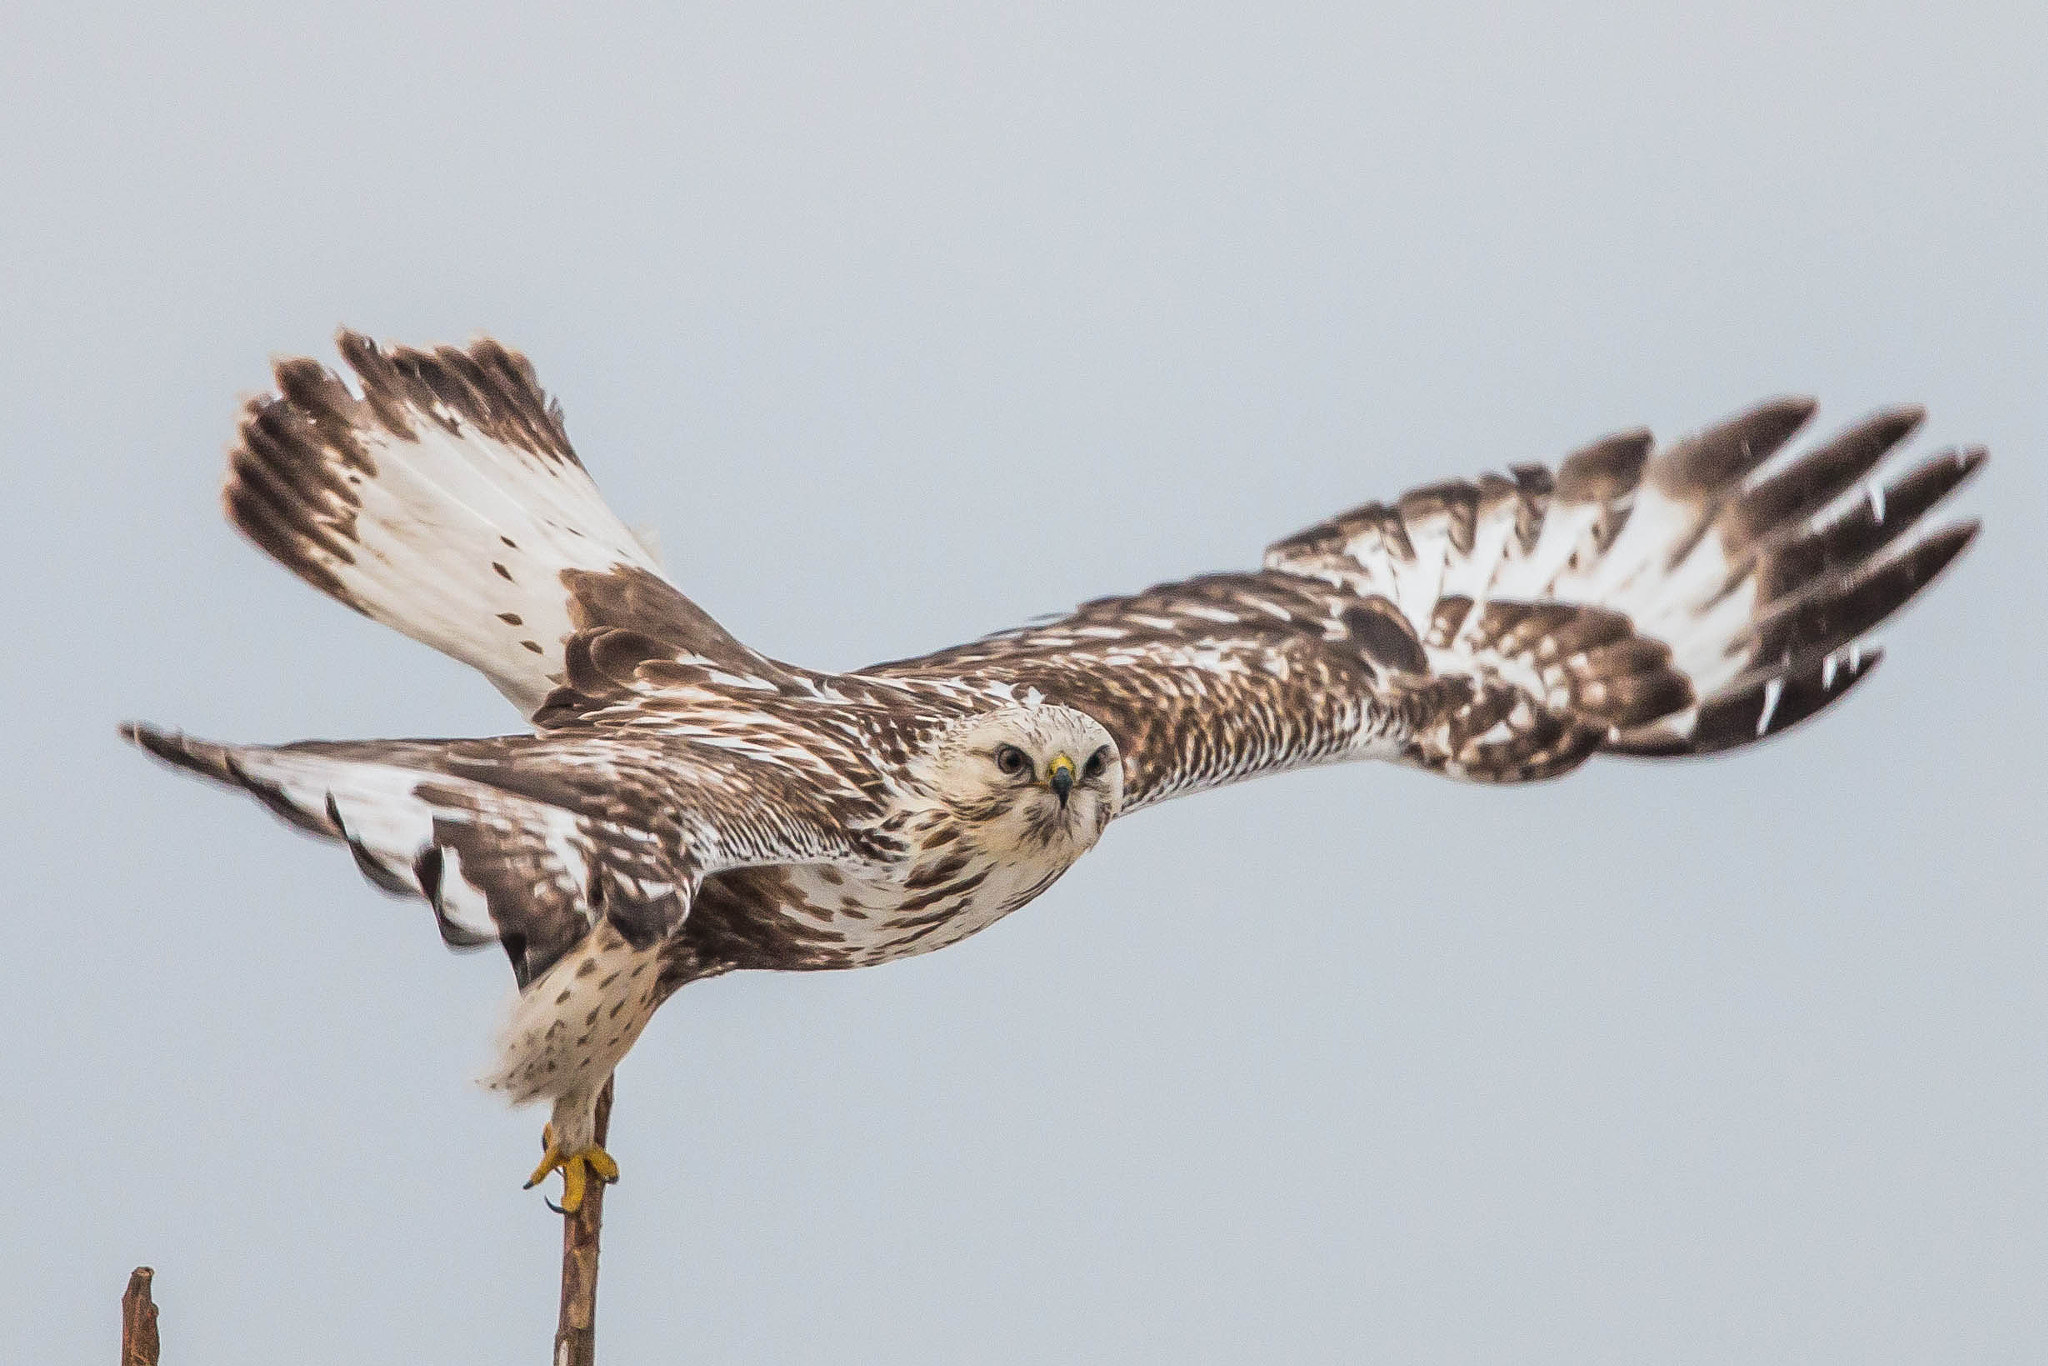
685,806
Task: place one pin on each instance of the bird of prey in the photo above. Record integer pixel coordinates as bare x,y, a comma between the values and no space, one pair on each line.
683,806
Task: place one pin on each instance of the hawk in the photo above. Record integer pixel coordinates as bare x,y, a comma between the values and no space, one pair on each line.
683,806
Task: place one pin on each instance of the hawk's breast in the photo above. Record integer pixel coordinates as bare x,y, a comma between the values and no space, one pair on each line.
814,916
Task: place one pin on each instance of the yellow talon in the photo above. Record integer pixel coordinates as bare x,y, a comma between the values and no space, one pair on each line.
576,1168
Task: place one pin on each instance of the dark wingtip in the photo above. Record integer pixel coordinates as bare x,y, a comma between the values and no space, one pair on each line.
180,750
1761,709
1889,428
1775,420
164,744
1968,461
1818,623
167,745
1754,714
1708,463
1939,550
361,353
1605,469
1898,421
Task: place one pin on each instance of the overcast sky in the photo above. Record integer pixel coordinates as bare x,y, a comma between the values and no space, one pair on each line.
900,324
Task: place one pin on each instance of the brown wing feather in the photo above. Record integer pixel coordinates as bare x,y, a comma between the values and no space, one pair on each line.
1740,562
1505,629
533,840
1212,680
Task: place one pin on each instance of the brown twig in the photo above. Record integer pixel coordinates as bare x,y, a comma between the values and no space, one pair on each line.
138,1320
576,1331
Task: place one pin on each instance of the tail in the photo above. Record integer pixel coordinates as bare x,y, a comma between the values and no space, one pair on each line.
1678,602
444,501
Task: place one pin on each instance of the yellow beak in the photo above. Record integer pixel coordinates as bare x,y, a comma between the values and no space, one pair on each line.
1059,775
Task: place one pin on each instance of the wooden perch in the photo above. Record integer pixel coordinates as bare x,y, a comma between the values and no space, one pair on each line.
576,1330
138,1320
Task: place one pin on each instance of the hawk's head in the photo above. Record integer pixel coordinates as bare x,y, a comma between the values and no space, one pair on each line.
1028,782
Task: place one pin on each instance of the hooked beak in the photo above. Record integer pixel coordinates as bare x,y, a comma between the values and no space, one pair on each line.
1060,776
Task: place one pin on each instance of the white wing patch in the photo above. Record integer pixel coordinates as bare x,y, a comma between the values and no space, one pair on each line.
445,502
460,543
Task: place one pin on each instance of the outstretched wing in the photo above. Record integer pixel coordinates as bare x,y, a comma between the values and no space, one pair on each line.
1679,602
445,501
532,841
1504,629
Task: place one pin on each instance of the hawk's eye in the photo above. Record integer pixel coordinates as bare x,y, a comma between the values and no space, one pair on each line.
1011,760
1096,762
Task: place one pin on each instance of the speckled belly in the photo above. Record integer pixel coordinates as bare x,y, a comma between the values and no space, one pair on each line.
571,1026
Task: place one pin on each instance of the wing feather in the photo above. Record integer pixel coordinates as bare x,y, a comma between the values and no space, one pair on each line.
1743,561
531,841
1643,601
446,502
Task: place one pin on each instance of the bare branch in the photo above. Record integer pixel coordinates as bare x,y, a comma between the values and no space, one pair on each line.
576,1331
138,1320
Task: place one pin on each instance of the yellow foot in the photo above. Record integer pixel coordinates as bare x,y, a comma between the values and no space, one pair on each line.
576,1168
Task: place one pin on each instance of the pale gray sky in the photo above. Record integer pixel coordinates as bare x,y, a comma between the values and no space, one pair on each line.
901,323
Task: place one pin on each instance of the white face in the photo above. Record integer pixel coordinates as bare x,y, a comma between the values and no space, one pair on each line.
1030,781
